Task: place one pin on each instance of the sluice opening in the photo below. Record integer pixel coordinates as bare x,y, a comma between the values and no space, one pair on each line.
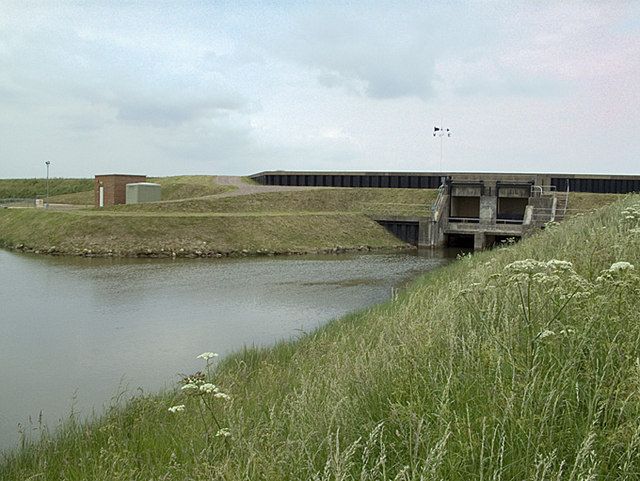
511,210
460,240
465,209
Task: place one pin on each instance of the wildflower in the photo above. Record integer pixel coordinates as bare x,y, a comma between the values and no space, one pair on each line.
176,409
621,266
556,265
221,395
224,432
566,332
207,355
527,266
189,387
546,333
208,388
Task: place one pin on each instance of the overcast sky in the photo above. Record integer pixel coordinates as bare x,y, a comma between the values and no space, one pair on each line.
237,87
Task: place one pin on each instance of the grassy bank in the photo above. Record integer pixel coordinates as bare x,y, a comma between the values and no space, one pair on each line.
32,188
80,191
398,201
90,233
520,363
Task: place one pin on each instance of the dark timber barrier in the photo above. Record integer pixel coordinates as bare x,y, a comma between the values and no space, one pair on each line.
407,231
612,184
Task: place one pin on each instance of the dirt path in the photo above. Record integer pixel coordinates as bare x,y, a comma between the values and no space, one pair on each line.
244,188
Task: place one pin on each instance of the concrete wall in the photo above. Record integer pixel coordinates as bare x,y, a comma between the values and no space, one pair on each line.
114,187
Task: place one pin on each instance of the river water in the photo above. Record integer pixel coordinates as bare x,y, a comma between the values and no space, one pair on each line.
74,332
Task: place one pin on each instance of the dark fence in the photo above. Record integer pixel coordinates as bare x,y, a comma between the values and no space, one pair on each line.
577,183
406,231
600,186
349,180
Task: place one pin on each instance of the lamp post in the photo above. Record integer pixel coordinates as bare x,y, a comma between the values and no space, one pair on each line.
46,204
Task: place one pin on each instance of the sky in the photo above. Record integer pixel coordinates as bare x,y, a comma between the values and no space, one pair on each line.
177,88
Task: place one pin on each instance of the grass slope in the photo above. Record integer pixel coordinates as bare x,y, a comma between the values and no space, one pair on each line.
80,191
502,366
31,188
101,233
394,201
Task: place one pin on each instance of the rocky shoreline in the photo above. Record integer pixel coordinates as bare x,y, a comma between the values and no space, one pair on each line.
191,253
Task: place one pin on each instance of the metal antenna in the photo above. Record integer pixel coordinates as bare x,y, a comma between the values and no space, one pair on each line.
442,132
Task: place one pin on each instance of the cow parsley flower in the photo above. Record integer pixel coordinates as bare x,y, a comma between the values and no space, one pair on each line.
208,388
176,409
207,355
221,395
189,387
224,432
621,266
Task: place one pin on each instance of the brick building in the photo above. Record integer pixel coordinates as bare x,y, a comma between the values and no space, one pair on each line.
111,189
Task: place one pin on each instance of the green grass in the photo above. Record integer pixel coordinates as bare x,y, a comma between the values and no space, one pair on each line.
123,234
80,191
452,381
370,201
31,188
189,186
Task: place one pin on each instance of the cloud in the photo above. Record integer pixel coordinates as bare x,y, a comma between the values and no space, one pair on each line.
361,53
175,110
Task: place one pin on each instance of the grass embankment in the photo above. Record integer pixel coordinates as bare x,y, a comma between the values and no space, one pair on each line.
32,188
278,222
80,191
89,233
414,202
510,364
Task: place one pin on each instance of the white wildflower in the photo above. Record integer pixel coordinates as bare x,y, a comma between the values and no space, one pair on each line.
176,409
221,395
557,265
566,332
546,333
621,266
224,432
527,266
207,355
208,388
190,386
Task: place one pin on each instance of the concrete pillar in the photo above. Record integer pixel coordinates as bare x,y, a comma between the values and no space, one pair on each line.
424,233
479,241
488,209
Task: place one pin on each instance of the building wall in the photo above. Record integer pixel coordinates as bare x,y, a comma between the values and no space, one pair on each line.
114,187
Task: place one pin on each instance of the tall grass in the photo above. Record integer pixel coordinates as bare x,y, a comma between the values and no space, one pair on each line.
516,364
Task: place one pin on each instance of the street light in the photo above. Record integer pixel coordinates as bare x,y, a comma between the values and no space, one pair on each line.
46,204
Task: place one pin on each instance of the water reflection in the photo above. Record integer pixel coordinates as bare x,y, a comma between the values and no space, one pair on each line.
86,326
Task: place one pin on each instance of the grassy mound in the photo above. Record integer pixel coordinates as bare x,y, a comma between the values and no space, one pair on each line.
185,234
32,188
391,201
515,364
80,191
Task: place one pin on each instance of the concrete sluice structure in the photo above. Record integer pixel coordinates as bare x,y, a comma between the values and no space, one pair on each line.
472,209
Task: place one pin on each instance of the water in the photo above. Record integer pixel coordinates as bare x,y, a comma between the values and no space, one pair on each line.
75,331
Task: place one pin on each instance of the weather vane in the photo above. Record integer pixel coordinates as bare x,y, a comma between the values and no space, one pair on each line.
441,132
